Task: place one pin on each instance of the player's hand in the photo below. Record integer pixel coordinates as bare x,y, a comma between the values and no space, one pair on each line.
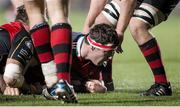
95,86
121,38
11,91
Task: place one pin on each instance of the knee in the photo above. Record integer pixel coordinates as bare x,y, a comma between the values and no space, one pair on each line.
137,28
13,75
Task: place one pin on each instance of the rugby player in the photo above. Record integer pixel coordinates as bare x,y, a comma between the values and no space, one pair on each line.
53,46
91,63
94,50
148,13
16,55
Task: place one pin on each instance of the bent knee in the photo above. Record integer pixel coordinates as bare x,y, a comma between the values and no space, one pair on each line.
137,26
139,30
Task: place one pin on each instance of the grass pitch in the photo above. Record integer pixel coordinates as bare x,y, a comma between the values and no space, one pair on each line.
131,73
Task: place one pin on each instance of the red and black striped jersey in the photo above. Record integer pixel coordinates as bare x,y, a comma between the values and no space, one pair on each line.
12,28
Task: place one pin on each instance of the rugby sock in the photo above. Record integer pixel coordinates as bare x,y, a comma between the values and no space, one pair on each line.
61,46
151,52
40,35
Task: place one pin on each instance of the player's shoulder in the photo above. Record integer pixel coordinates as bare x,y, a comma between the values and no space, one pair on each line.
12,25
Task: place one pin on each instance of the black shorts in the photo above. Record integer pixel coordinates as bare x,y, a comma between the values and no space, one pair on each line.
4,42
4,48
165,6
150,15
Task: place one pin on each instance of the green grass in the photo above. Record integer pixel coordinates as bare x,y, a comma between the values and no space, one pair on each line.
131,73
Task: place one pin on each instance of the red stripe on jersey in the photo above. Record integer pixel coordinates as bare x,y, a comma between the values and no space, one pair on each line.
60,36
62,58
151,50
12,28
41,36
45,57
160,78
63,75
155,64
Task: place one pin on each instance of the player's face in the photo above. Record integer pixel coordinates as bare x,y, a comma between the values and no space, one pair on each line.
98,56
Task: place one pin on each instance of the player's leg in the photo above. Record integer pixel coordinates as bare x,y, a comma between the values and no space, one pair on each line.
149,14
110,14
61,45
60,36
40,34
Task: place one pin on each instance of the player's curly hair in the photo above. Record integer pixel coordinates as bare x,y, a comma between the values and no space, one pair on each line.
104,34
22,15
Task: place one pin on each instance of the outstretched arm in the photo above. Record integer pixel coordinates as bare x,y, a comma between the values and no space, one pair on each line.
96,7
127,8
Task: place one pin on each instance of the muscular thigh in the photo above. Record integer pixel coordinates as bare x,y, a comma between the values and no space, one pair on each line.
58,10
102,19
35,11
110,13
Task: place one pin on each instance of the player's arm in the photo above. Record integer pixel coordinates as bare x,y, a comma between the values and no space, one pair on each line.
96,6
17,3
127,8
107,76
95,86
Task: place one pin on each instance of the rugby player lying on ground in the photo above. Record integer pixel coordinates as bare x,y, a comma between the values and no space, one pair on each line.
91,56
16,55
91,63
90,52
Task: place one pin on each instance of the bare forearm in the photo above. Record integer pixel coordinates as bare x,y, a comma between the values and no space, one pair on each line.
96,7
127,8
17,3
